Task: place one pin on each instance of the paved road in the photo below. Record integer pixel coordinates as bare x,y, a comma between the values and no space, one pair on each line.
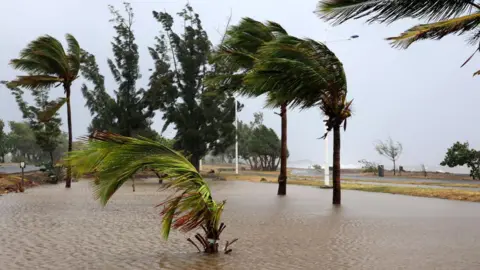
16,168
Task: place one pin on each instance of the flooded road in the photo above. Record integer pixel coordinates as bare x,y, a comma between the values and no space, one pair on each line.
50,227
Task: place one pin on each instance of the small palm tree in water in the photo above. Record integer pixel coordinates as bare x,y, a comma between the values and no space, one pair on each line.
114,159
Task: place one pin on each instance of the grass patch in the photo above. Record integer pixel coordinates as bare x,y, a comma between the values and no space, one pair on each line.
450,194
417,183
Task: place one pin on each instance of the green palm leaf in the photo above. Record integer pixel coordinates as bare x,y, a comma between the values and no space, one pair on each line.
74,55
437,30
51,109
298,71
387,11
115,159
36,81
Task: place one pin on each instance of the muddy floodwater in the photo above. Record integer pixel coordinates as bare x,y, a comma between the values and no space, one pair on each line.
50,227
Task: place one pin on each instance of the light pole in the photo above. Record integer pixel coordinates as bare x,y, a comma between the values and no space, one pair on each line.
236,137
22,183
326,170
326,166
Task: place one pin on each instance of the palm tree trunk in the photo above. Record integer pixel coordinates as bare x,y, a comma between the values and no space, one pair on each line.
337,189
282,178
68,181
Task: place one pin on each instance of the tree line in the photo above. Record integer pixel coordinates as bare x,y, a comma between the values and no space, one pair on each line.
192,84
32,145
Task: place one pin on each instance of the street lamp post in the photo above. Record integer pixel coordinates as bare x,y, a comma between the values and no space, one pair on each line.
236,138
326,166
22,183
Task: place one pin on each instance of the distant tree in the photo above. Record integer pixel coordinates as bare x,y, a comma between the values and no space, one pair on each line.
48,65
391,150
47,133
259,145
129,111
203,116
460,154
165,141
369,166
424,170
23,143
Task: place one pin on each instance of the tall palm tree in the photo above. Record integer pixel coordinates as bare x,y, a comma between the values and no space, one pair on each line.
444,17
306,74
115,159
48,65
238,51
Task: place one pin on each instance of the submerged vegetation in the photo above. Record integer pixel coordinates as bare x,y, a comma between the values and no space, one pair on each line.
114,159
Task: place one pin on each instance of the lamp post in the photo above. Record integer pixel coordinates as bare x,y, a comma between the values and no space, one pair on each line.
236,137
22,183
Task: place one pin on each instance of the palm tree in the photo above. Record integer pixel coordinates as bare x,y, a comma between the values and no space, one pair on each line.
444,17
48,65
115,159
238,50
305,74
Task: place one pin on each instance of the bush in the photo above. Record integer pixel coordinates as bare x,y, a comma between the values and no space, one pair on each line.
369,166
56,173
263,180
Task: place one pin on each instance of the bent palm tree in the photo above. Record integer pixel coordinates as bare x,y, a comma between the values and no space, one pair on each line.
307,74
238,51
448,16
115,159
48,65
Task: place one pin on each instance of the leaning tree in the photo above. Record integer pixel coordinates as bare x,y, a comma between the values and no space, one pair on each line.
114,159
306,74
48,65
239,51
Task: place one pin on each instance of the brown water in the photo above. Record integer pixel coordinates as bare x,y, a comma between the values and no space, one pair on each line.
50,227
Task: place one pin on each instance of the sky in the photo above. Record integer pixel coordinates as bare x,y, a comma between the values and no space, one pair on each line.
419,97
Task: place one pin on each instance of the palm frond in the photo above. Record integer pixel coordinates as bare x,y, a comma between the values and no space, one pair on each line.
74,55
299,72
436,30
387,11
31,66
51,109
49,52
115,159
36,82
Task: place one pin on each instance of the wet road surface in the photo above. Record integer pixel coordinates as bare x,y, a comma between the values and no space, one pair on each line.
50,227
16,168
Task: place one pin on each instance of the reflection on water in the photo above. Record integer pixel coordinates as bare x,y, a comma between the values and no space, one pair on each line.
54,228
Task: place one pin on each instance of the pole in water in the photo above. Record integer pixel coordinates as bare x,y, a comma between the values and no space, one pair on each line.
326,167
236,138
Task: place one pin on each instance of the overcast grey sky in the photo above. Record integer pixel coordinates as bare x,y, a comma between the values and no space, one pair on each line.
420,96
